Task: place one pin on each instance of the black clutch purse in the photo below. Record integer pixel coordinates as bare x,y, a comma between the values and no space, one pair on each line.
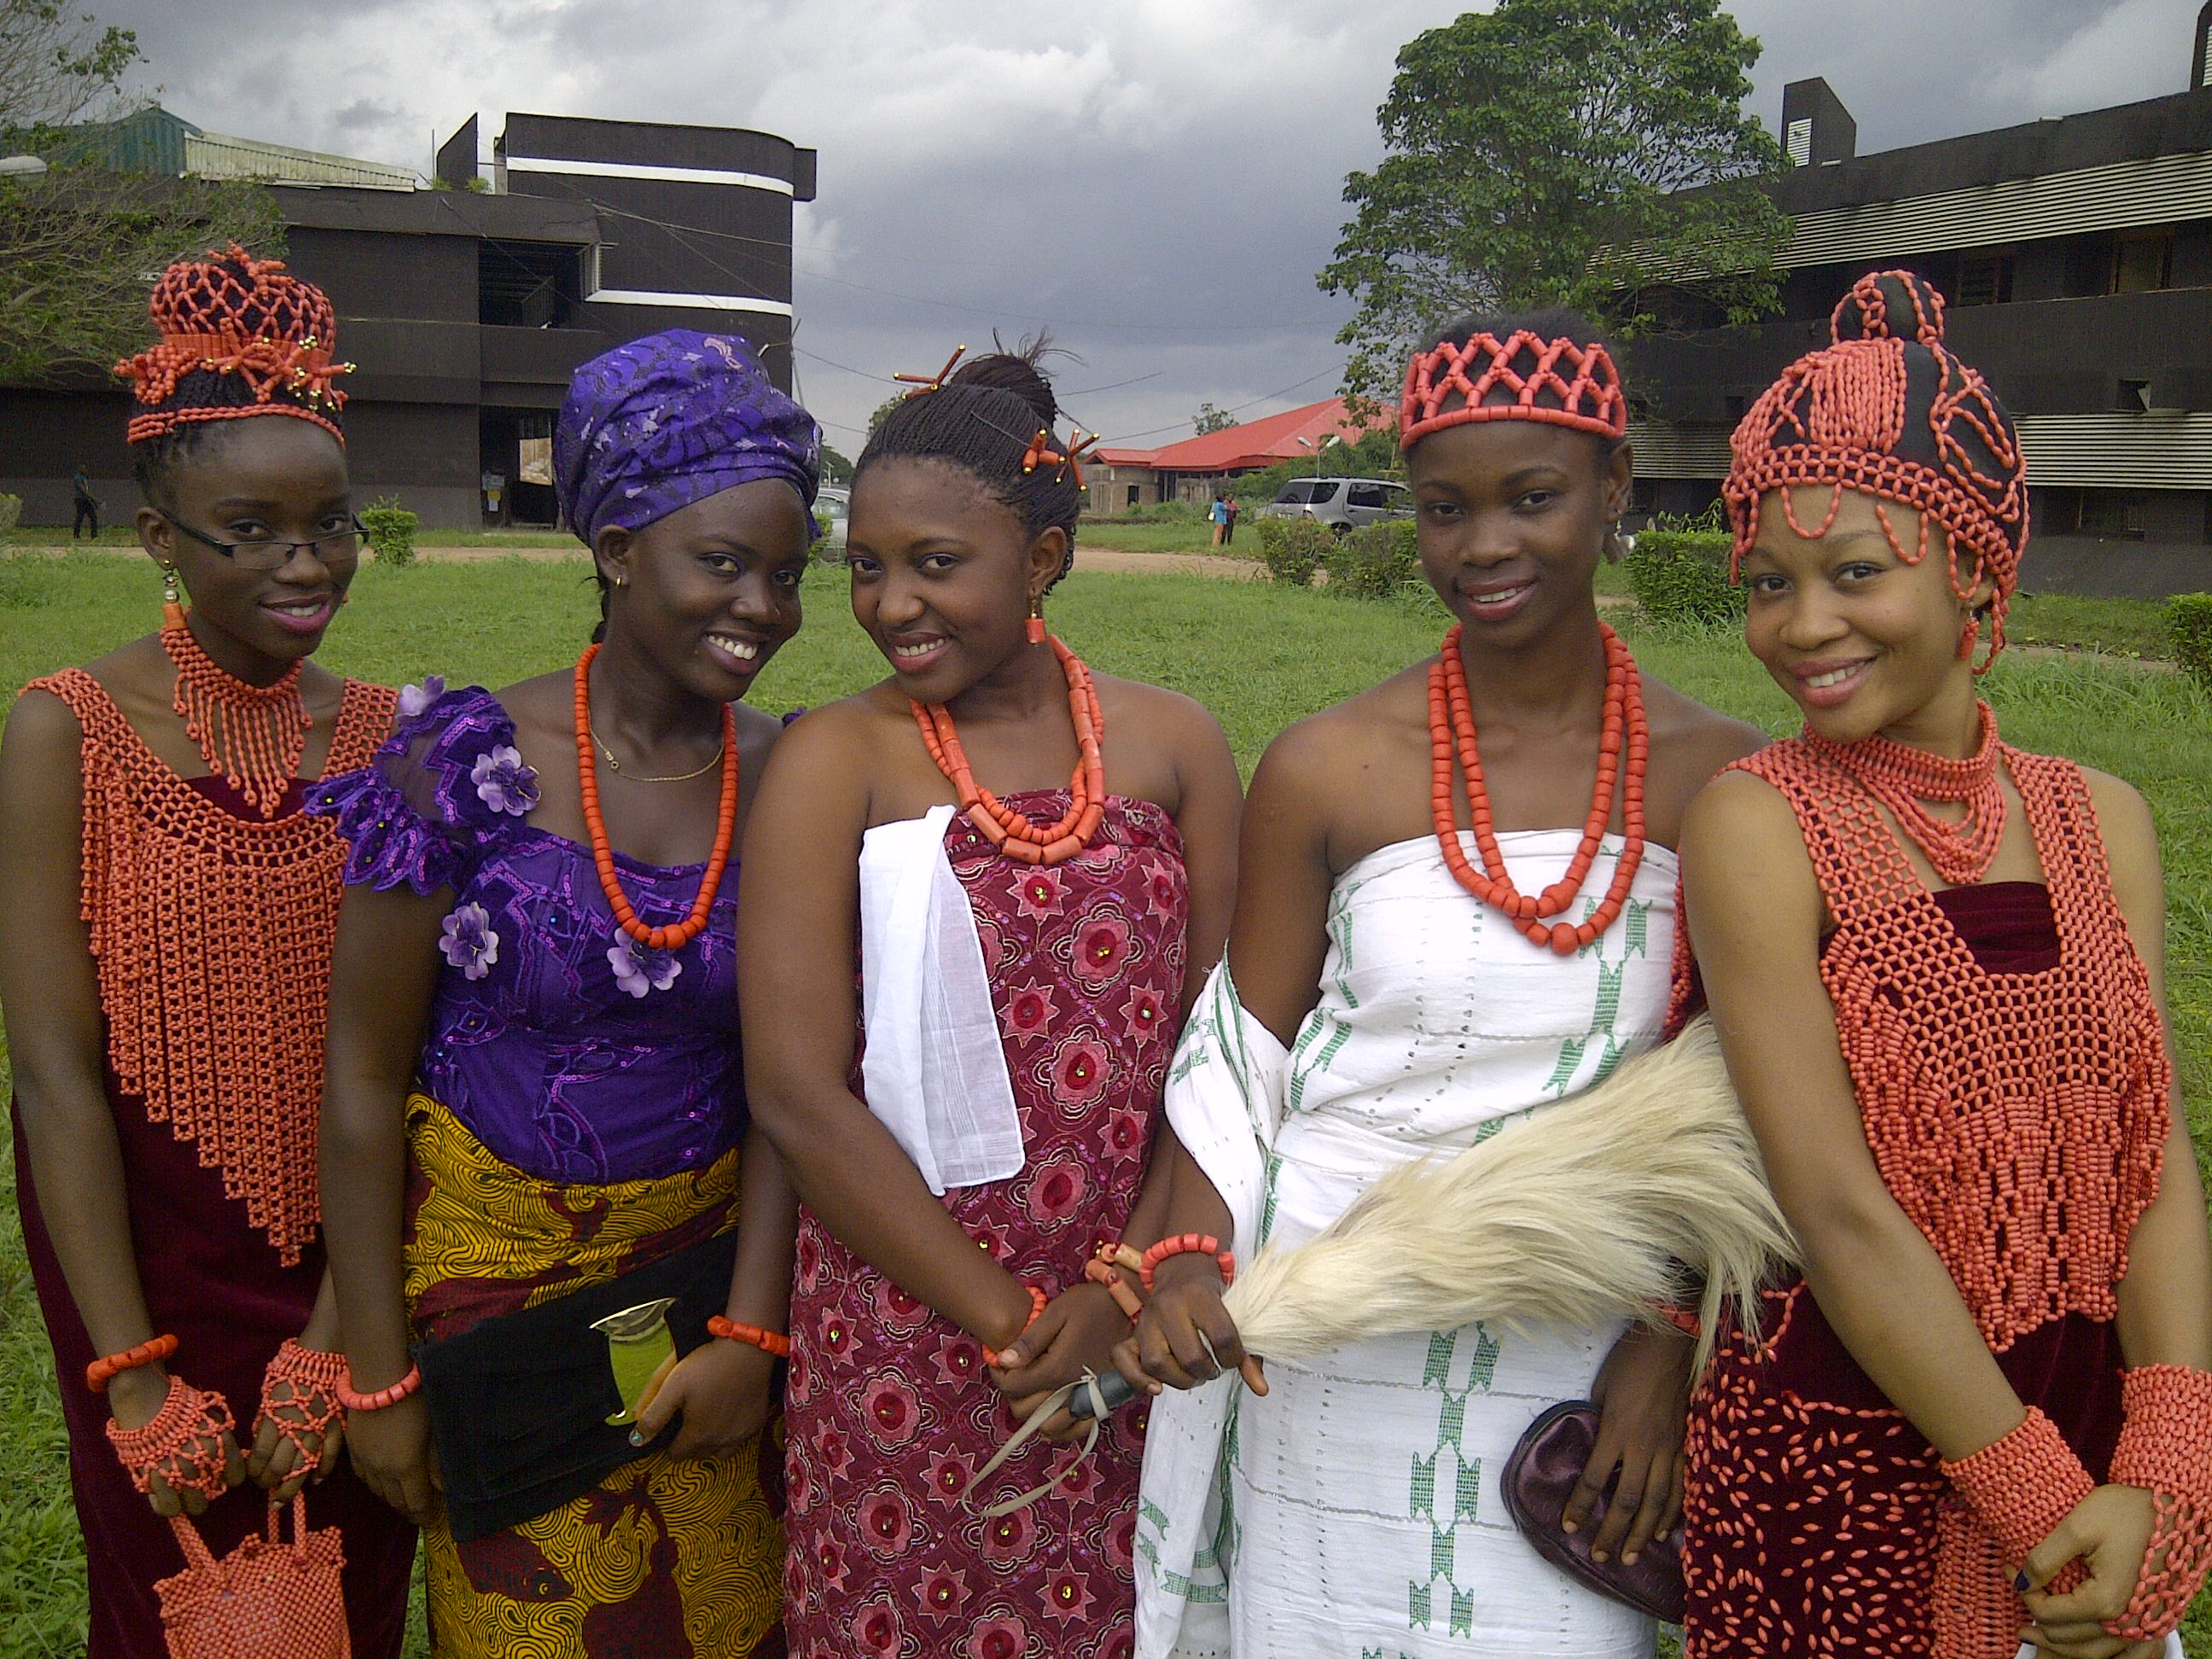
1540,1478
519,1403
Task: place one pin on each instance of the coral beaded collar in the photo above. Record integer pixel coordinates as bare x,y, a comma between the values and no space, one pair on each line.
252,737
1901,777
1012,834
1451,726
681,933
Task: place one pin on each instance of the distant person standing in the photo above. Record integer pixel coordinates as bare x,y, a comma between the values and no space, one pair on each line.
1219,512
1229,510
86,504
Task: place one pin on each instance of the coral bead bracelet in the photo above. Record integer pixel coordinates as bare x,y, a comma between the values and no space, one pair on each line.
736,1330
99,1374
1188,1244
383,1397
1106,1267
1037,1299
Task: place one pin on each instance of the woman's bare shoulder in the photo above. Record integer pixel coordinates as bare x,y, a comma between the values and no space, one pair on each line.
1340,766
1681,722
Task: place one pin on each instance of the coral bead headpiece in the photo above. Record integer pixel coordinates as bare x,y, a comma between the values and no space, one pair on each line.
238,337
1523,377
1886,410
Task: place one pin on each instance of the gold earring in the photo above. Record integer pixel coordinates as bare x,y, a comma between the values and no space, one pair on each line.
173,600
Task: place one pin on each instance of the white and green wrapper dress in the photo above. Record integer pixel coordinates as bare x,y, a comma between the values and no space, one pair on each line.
1354,1512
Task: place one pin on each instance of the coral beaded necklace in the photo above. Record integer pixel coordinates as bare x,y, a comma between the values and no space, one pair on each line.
725,824
1900,777
251,736
1013,834
1451,724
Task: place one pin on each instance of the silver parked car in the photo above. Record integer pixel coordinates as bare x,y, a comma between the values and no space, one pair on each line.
834,503
1342,504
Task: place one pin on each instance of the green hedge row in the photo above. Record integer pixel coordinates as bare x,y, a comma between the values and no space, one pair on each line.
391,530
1682,576
2189,627
1375,561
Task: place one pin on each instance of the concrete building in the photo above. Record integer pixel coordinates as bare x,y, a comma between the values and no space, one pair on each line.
2076,255
466,303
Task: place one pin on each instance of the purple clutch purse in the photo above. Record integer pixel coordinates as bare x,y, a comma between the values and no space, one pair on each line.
1540,1478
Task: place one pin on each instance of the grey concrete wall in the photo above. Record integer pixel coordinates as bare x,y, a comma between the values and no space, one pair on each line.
2116,569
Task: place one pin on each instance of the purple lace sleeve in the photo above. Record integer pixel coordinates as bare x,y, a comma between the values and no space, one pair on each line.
447,779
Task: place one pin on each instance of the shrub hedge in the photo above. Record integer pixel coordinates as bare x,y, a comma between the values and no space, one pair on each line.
1375,561
1682,576
391,530
2189,627
1294,549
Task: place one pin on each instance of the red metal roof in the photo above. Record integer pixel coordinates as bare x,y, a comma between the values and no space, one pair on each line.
1255,444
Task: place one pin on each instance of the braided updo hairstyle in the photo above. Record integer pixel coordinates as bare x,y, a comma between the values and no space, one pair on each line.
983,420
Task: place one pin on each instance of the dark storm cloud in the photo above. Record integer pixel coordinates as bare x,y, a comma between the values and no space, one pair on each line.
1158,189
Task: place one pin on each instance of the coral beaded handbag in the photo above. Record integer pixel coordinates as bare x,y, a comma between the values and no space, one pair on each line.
265,1600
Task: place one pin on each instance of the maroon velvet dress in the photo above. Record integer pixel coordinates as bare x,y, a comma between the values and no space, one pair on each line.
211,1278
1812,1505
891,1410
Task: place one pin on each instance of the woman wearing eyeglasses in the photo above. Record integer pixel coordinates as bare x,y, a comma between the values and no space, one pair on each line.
164,953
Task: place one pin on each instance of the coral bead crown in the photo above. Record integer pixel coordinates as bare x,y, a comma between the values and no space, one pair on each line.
239,336
1886,410
1523,377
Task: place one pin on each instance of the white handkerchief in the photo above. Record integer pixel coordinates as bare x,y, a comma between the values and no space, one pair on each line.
934,1067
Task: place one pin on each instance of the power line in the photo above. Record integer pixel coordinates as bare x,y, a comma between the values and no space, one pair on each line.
1114,385
1233,408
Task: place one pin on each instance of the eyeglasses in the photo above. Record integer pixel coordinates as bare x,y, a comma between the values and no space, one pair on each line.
340,546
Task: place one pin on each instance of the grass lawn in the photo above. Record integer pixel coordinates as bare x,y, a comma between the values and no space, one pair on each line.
2120,628
1259,656
1162,536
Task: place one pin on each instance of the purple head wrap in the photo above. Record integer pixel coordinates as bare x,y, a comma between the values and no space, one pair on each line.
661,423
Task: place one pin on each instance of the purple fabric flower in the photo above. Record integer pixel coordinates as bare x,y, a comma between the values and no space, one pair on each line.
468,942
387,842
503,782
640,968
415,701
657,423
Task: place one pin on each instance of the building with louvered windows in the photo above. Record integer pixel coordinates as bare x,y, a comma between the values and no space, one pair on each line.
466,300
2076,255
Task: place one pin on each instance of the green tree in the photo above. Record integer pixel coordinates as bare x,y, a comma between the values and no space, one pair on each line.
1592,153
1210,419
57,68
883,412
78,239
835,469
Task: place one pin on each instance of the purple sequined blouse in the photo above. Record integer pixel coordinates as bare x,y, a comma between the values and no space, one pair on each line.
572,1054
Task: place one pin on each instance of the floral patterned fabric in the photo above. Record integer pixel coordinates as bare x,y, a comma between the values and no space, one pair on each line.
573,1052
891,1411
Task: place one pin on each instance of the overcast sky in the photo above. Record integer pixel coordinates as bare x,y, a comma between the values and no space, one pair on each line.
1157,180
